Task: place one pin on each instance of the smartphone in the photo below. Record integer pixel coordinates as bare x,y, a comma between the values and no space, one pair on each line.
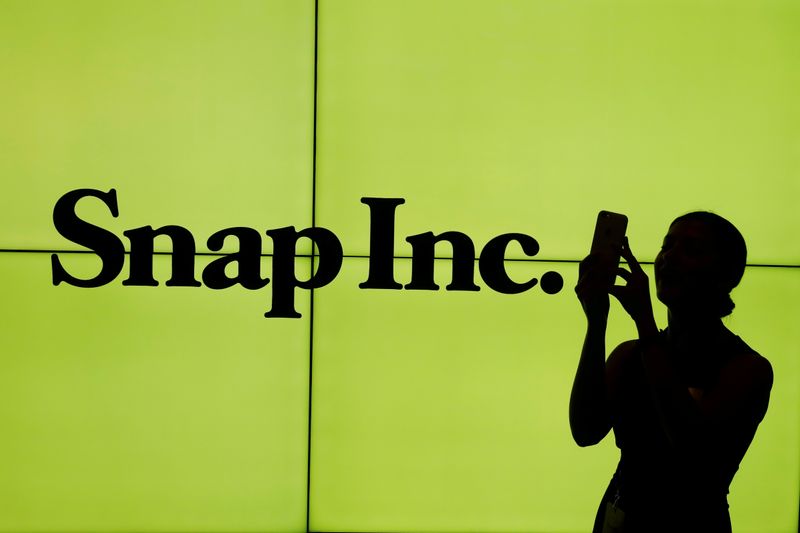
609,233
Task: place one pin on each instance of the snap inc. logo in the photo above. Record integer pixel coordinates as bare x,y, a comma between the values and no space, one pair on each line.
111,251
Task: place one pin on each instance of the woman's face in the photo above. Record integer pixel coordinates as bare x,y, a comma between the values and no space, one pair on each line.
685,268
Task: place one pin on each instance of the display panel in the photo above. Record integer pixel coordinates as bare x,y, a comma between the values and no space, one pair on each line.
448,411
764,494
429,412
530,116
149,408
199,114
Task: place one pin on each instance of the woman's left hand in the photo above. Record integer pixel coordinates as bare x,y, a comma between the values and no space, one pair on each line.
635,295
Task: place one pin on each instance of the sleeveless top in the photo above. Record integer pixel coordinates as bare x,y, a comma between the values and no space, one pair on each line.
654,479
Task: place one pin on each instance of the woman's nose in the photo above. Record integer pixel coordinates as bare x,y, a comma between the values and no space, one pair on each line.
667,254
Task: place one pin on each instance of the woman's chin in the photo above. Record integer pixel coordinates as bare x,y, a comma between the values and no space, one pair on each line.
666,294
672,297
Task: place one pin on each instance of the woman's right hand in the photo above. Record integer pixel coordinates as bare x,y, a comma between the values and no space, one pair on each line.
594,273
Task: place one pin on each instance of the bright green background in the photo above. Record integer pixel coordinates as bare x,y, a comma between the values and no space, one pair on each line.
447,411
149,409
184,409
531,116
197,112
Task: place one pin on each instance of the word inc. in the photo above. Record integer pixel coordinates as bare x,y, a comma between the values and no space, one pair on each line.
111,251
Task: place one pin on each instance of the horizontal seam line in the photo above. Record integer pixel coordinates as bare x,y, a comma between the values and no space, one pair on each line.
354,256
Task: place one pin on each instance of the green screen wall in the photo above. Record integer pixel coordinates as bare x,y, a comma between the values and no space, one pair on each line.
166,409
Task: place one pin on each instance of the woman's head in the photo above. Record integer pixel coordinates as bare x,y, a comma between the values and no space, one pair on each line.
702,259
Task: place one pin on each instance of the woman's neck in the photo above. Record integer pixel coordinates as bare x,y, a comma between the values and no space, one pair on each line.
693,331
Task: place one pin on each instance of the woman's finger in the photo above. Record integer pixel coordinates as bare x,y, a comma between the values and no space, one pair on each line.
628,255
616,292
624,274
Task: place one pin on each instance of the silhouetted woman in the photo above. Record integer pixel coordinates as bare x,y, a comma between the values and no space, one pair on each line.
684,402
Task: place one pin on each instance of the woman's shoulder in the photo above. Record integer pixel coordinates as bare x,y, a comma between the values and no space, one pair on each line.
630,346
746,360
748,375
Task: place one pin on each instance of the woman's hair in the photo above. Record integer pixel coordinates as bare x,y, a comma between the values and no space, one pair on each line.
731,253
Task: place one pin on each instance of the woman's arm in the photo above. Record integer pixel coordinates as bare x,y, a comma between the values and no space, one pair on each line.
595,386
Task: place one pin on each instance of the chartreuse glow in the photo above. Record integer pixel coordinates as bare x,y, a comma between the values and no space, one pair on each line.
170,408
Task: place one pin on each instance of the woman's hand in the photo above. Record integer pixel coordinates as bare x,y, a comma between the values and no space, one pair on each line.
635,295
595,276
